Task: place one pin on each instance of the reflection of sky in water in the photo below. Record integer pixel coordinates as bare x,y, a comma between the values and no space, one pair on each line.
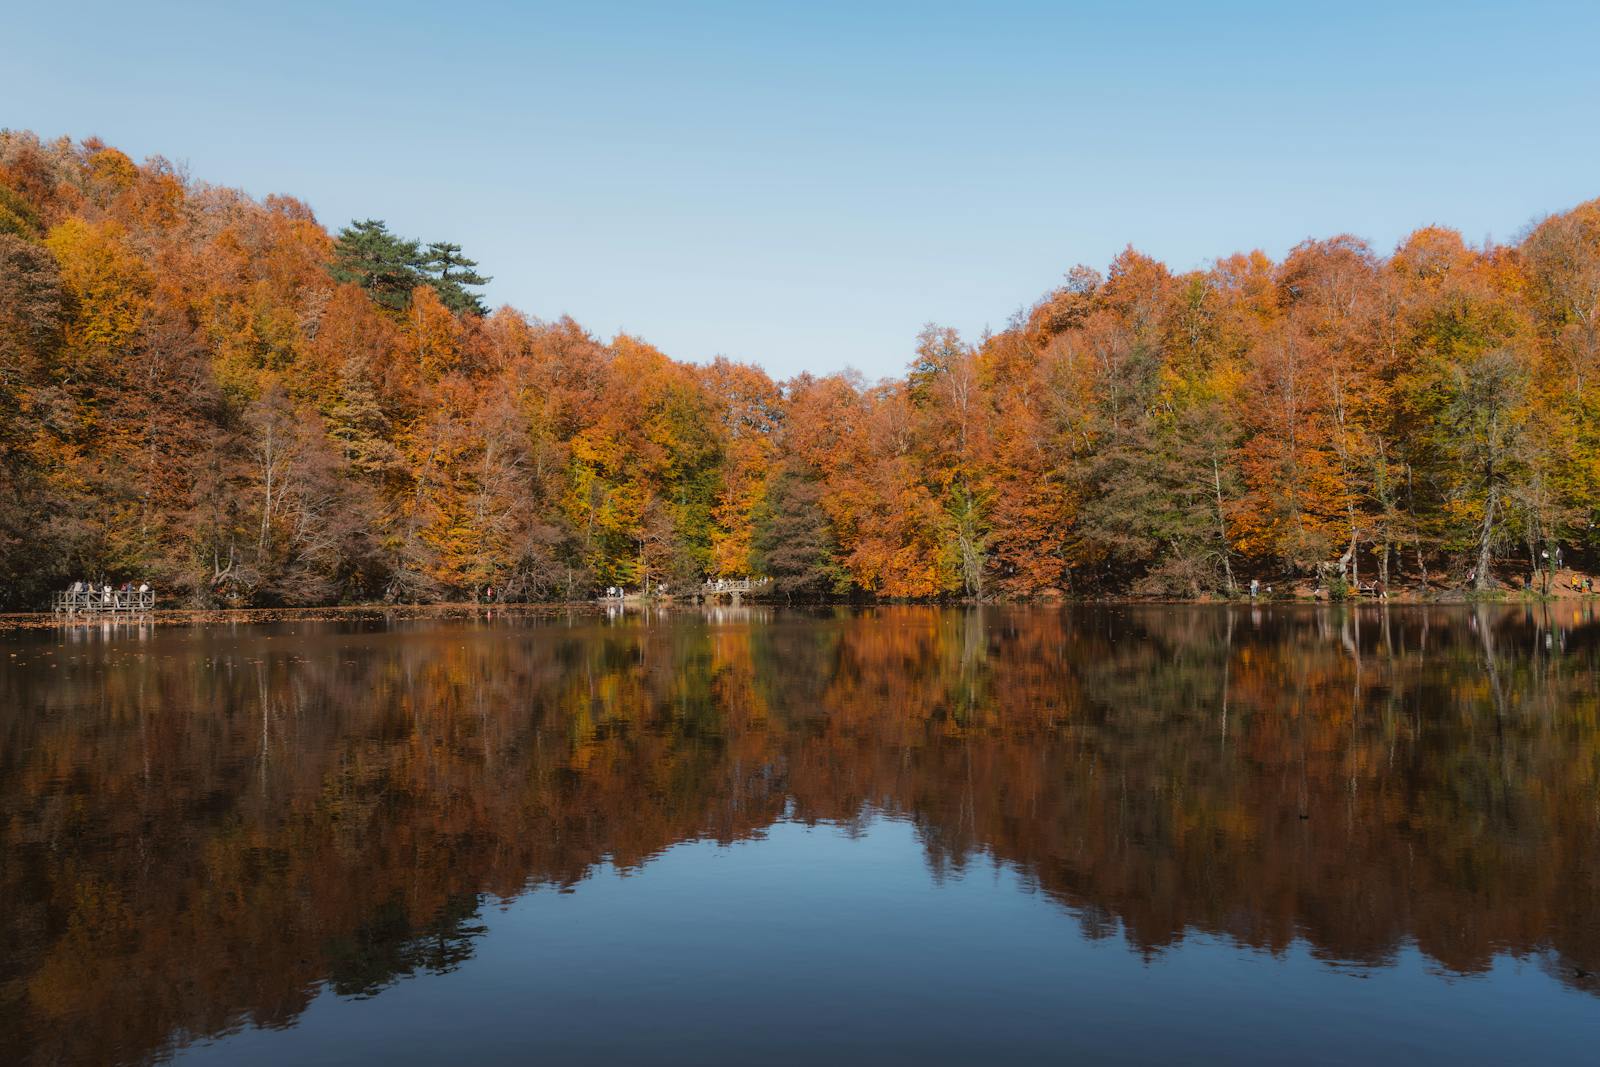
810,944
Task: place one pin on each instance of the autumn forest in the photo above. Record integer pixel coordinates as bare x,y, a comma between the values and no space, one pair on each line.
220,396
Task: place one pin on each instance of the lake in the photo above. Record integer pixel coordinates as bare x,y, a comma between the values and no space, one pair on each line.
900,834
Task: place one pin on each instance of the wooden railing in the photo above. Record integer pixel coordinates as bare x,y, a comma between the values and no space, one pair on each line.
737,588
730,585
83,601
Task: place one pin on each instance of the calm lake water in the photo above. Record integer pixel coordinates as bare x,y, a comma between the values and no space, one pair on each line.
896,835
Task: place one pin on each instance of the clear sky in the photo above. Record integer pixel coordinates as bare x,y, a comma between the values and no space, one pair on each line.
803,185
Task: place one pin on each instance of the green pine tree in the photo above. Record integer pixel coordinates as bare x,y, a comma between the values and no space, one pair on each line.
450,273
386,266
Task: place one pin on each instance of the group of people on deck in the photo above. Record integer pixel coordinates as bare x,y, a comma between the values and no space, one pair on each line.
106,591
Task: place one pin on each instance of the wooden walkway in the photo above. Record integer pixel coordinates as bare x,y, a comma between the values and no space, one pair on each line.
729,585
109,601
735,589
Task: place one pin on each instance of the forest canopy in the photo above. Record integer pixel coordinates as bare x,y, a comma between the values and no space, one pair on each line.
212,393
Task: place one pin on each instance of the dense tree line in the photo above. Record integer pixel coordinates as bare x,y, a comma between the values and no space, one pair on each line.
215,393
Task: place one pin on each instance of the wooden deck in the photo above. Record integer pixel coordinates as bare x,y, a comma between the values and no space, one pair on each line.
729,585
734,589
100,602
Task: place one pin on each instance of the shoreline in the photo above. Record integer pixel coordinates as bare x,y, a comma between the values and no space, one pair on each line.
39,620
44,620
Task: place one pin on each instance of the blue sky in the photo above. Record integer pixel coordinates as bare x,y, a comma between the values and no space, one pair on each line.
804,185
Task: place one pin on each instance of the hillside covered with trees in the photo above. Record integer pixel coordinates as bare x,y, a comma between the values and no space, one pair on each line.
216,394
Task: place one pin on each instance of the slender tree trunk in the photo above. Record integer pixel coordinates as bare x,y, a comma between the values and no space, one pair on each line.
1355,545
266,500
1486,535
1222,526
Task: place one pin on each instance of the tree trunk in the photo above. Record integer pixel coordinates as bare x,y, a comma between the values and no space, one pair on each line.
1355,562
1486,538
1222,527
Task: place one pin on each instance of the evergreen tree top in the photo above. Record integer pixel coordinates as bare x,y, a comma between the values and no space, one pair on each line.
450,273
389,267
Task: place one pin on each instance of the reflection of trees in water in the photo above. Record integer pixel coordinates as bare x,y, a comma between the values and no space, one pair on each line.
389,945
217,827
